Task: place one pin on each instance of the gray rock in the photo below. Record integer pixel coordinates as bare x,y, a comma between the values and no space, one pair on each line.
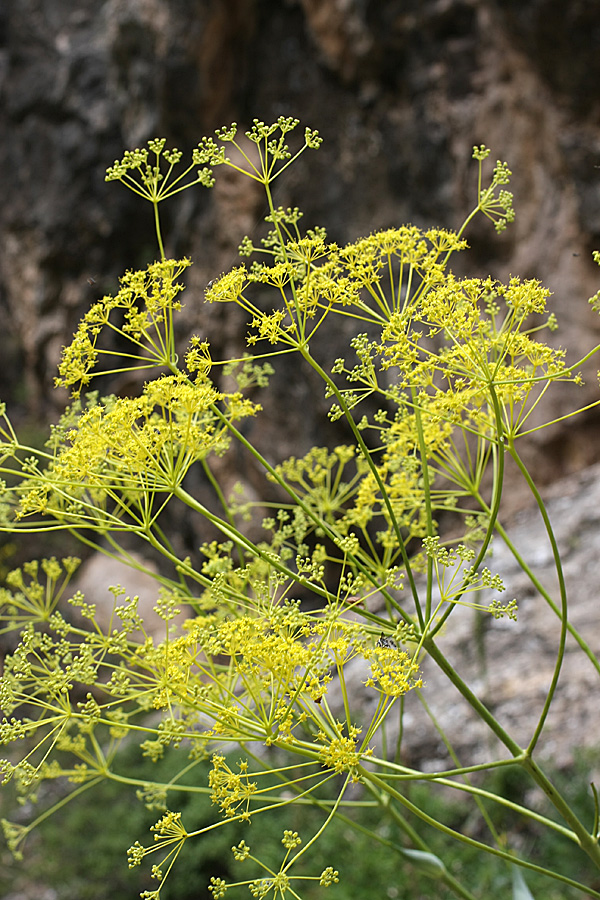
509,665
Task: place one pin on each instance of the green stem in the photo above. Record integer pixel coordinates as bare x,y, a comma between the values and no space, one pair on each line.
472,699
158,231
427,497
320,831
237,537
217,489
563,597
584,839
544,593
495,505
368,459
310,513
418,842
382,785
454,757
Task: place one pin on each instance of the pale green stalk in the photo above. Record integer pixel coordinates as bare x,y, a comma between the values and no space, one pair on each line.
379,783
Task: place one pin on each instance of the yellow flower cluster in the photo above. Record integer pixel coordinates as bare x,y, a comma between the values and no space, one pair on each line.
393,672
340,753
145,305
442,376
231,791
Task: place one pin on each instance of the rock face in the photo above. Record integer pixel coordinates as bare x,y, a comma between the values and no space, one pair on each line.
400,91
510,665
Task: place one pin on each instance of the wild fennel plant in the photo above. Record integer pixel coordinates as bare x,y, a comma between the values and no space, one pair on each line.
437,388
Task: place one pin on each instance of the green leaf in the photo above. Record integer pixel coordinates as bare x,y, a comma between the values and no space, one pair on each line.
428,863
520,889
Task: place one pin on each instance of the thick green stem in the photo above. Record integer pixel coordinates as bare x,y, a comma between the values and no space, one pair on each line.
585,840
382,785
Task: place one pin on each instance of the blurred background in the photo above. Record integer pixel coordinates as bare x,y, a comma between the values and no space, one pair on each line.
400,90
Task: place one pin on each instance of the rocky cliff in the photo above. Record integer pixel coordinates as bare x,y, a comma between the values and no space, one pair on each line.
400,90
